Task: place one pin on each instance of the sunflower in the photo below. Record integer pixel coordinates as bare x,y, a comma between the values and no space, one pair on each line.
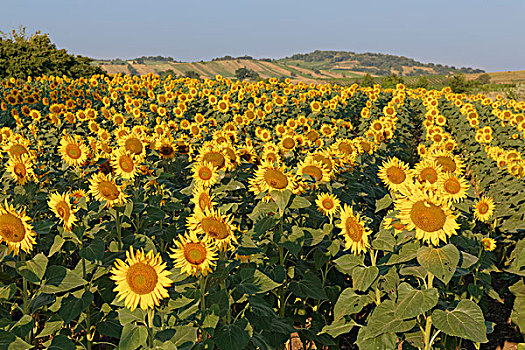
448,162
489,244
166,148
270,156
316,170
428,214
205,174
288,143
133,144
270,177
328,204
395,174
210,153
453,187
427,172
124,163
21,169
141,280
73,150
484,208
193,255
15,229
104,188
215,226
78,194
354,231
60,205
202,199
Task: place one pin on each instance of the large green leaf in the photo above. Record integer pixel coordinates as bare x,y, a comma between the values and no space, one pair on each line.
61,342
412,302
133,337
59,279
407,252
34,269
338,327
441,262
72,307
384,320
518,310
465,321
10,341
386,341
383,203
254,281
94,251
184,334
281,198
347,262
310,286
233,336
349,302
363,277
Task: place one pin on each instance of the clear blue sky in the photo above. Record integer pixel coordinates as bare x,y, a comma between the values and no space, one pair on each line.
487,34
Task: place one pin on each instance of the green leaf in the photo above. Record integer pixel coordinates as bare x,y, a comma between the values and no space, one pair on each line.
412,302
233,336
518,310
363,277
467,260
11,342
348,303
383,203
61,342
384,241
59,279
441,262
57,244
337,328
95,250
407,252
310,286
347,262
386,341
34,269
299,203
129,209
382,321
281,198
254,281
294,241
184,334
132,337
72,307
212,317
465,321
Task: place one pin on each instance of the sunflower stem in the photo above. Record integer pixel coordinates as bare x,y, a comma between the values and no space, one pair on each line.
373,258
428,326
282,290
151,315
119,233
203,302
88,320
25,295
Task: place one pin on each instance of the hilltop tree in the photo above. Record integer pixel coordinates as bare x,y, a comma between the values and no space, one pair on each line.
391,81
367,80
458,83
192,74
22,56
244,73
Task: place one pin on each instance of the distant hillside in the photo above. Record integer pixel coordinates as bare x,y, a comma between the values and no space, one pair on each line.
316,66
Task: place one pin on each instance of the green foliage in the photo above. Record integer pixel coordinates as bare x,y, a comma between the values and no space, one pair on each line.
366,81
391,81
192,74
244,73
22,56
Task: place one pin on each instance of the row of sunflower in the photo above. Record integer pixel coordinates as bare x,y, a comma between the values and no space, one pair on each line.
178,213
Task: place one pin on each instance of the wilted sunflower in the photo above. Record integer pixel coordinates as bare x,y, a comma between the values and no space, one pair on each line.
60,205
104,188
193,255
453,187
328,204
204,174
484,208
15,229
217,227
269,177
73,150
21,169
395,174
354,231
141,280
124,163
428,214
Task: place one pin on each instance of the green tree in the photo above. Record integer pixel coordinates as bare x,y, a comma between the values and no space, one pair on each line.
22,56
483,79
367,80
391,81
422,82
192,74
458,83
244,73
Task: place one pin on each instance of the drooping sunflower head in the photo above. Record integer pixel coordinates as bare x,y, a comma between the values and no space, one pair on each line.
428,214
354,231
104,188
218,228
202,199
15,229
193,255
141,280
395,174
484,208
21,169
328,204
73,150
125,163
453,187
447,161
205,174
61,206
17,148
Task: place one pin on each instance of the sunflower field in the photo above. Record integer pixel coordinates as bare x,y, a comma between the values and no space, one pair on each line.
140,212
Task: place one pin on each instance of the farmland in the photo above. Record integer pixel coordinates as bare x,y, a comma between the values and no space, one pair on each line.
178,213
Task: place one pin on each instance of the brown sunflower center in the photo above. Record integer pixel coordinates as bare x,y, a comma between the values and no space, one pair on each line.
195,253
63,210
396,175
346,148
427,216
326,161
447,163
17,150
108,190
215,228
166,150
483,208
204,201
73,151
353,229
20,170
142,278
312,135
428,174
126,163
313,171
214,158
275,179
11,228
328,203
288,143
134,145
205,173
452,186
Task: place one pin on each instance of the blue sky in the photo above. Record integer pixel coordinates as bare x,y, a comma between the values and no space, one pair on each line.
477,33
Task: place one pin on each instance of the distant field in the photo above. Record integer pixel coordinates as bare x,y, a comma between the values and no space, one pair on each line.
508,77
